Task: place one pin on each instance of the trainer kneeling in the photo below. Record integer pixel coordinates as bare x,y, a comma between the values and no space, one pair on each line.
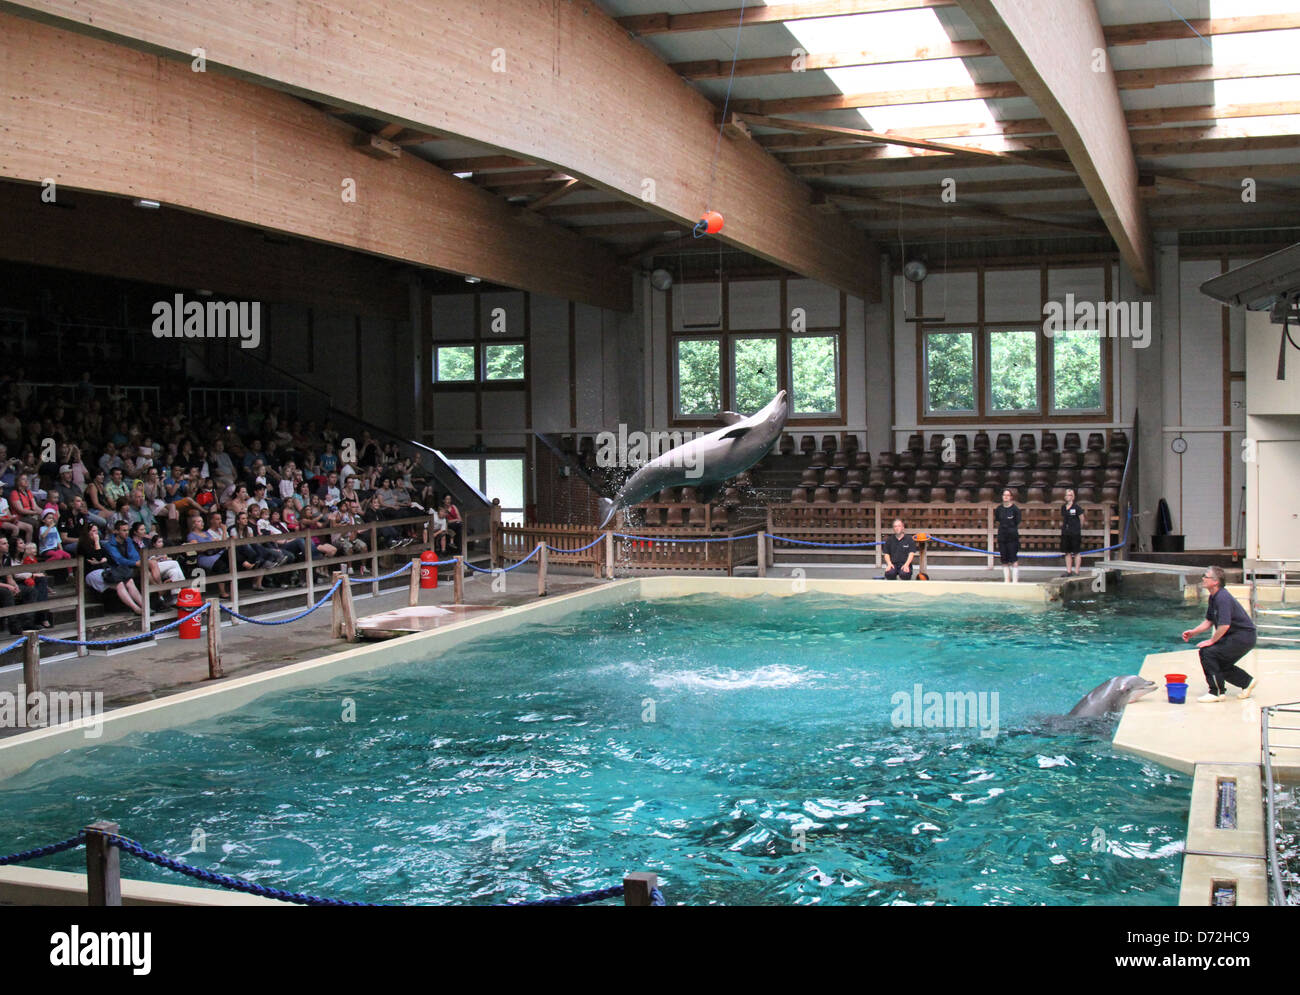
900,551
1233,638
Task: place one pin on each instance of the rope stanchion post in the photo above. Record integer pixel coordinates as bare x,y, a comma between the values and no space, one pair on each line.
609,555
541,569
81,606
31,661
345,618
146,615
413,590
458,582
214,641
638,888
234,577
103,866
762,554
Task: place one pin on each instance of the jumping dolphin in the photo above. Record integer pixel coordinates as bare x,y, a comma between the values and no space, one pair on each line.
1111,696
716,457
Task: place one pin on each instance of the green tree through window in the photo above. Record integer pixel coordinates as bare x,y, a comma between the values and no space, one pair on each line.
699,376
950,368
455,363
505,362
1013,370
814,374
1076,370
754,373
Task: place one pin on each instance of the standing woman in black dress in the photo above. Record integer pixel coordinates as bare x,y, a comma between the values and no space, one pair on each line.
1007,517
1071,532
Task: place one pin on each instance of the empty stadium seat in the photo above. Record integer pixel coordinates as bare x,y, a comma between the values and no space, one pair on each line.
1058,495
887,460
1069,459
1094,457
917,495
829,445
810,478
808,445
1027,441
799,495
940,495
787,444
1071,441
878,476
1037,493
915,442
892,495
963,495
1096,440
987,494
1048,442
1085,494
822,495
840,459
853,478
1004,441
831,478
862,459
846,495
923,477
1047,458
982,441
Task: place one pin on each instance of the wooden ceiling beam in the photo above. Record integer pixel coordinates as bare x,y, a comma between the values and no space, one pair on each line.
966,210
663,23
280,165
1082,106
424,63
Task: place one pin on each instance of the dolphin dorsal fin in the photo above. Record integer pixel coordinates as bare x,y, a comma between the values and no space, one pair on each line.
729,417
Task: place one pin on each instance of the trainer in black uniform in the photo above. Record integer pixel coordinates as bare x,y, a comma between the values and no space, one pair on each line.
1071,532
1007,517
1233,638
900,548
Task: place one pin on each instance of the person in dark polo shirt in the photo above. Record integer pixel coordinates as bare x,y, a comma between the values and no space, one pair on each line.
1233,638
900,550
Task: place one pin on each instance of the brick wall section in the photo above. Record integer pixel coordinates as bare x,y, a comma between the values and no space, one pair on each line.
563,500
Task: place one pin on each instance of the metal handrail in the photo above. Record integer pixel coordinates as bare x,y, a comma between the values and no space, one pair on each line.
1274,871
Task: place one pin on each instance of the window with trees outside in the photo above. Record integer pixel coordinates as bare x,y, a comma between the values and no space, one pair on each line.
1013,370
453,364
814,374
809,371
753,372
503,361
699,377
1076,371
950,372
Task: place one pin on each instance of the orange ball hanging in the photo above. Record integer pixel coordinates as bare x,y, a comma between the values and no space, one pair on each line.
712,222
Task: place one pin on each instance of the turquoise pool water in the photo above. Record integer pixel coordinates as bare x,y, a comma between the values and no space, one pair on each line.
776,768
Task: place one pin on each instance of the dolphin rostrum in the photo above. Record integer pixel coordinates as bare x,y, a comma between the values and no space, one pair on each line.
1112,696
706,462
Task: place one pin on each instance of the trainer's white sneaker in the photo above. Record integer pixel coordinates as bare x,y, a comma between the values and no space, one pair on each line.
1211,697
1249,689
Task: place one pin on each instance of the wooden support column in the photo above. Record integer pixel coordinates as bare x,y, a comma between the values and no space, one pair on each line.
214,641
31,663
103,866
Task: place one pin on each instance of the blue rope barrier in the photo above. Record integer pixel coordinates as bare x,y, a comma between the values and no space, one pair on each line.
123,640
836,545
282,621
1045,556
23,856
580,549
504,570
14,645
376,580
233,883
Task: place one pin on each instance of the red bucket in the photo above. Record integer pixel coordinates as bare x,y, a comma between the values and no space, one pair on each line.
1175,678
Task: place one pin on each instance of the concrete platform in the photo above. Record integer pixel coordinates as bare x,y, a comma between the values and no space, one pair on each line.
1182,736
420,618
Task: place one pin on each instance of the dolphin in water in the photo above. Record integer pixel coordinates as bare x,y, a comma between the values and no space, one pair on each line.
706,462
1111,696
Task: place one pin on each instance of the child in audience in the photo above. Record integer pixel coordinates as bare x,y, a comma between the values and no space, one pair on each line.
51,542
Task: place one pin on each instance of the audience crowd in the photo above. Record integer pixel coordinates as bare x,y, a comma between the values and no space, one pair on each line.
111,481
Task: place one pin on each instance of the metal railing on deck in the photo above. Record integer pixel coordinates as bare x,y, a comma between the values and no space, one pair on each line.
1277,887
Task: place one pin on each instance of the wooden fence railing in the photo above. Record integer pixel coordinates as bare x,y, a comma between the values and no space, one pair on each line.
651,549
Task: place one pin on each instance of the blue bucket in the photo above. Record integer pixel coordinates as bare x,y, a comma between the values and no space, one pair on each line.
1177,693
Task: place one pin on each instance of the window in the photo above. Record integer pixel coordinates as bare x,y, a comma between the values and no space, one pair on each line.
950,372
699,377
1013,371
503,362
453,363
1076,371
754,373
496,477
814,375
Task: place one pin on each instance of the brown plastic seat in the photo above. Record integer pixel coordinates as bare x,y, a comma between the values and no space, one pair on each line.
1090,476
822,495
915,442
982,440
1037,493
1016,478
977,458
900,478
1004,441
1058,495
987,494
832,478
1086,494
1110,493
1096,440
907,461
787,444
1040,476
811,478
1093,457
940,495
999,458
892,495
1048,442
851,443
840,459
666,496
1047,458
829,445
936,441
1027,441
924,477
1064,480
970,477
853,478
887,460
846,495
1022,459
918,495
808,445
879,477
1114,475
818,461
870,494
862,459
1117,457
689,496
799,495
963,495
1071,442
1118,437
947,476
1069,459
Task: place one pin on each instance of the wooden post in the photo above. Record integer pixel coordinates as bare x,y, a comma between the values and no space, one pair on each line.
880,555
921,568
31,662
103,866
413,595
311,573
989,541
233,558
348,616
609,555
494,529
541,569
762,554
336,612
146,616
458,582
214,641
81,606
374,558
637,887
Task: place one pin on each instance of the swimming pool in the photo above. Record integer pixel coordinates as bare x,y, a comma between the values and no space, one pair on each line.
755,750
